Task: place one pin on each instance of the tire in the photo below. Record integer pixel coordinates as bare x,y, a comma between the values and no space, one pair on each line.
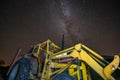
63,76
21,70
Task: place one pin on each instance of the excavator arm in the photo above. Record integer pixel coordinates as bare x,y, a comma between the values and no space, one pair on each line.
84,56
74,63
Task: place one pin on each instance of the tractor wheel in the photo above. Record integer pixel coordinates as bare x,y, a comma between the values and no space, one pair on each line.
21,70
63,76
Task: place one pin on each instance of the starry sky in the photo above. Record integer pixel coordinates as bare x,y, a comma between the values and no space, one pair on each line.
94,23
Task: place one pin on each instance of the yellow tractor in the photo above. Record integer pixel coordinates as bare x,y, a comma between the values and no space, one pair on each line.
48,62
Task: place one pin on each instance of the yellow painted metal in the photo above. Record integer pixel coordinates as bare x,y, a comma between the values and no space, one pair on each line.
81,68
48,44
84,71
57,65
97,60
90,59
46,47
78,73
46,69
93,52
71,69
110,68
36,54
56,55
63,68
85,56
91,62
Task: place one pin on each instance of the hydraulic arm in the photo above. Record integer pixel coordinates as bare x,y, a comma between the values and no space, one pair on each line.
78,57
48,62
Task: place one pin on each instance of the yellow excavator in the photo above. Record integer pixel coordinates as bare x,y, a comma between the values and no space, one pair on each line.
47,61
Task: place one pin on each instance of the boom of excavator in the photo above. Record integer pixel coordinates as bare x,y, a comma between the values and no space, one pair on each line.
75,63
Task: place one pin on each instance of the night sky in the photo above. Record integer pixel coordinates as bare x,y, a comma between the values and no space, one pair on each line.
94,23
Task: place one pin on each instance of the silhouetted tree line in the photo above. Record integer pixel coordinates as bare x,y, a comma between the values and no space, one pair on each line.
3,70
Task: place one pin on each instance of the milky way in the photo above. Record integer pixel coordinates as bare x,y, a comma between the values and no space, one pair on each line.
70,30
94,23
